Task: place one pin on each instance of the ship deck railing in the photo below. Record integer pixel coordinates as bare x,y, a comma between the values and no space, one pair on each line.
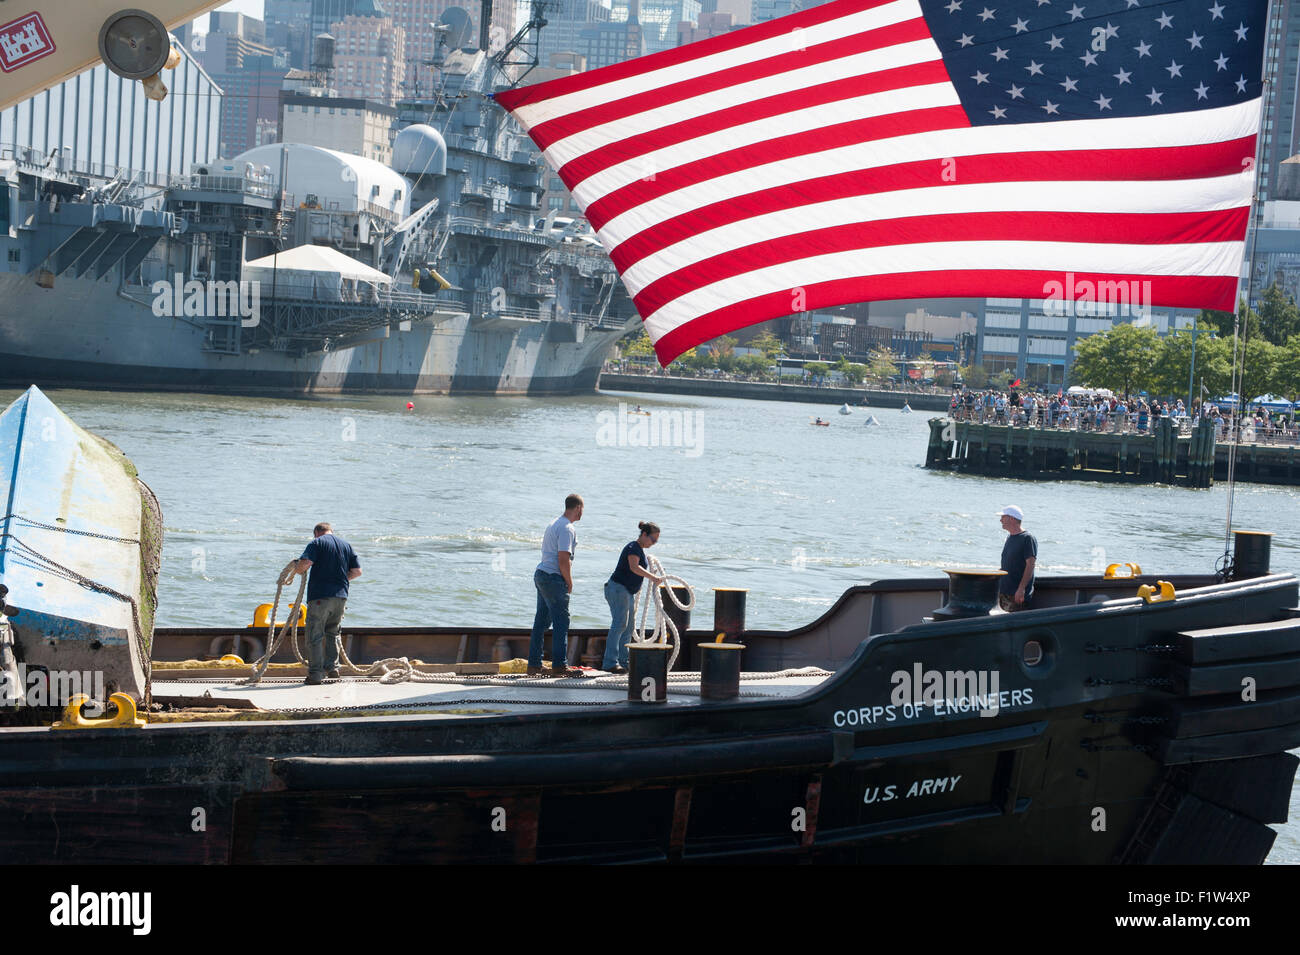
59,164
1124,424
235,184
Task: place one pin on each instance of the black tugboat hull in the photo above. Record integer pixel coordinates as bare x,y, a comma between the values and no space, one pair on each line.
1145,733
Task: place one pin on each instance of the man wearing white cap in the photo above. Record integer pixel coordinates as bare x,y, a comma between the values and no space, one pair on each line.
1019,554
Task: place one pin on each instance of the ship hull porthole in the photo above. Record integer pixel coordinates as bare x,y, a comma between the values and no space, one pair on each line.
1038,653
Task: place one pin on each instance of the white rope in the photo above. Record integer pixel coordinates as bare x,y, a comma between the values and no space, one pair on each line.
389,670
291,625
663,626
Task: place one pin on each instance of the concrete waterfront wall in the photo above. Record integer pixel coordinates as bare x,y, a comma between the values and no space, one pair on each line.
763,391
1261,463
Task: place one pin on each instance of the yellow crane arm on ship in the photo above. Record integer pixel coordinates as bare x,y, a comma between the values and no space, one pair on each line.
49,42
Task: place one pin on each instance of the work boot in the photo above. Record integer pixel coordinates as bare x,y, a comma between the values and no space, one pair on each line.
333,674
314,679
536,671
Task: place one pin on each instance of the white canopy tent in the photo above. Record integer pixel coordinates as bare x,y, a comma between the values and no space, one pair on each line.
318,273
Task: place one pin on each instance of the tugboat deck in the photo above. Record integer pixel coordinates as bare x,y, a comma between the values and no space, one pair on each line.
460,696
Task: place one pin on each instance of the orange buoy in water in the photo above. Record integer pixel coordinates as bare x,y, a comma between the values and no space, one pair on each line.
410,406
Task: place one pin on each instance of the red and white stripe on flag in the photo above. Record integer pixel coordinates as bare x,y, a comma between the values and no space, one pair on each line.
825,158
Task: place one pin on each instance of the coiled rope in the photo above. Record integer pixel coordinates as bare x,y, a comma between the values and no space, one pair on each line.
663,625
389,670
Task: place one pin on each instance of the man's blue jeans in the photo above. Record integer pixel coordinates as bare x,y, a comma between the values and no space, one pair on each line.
622,609
552,611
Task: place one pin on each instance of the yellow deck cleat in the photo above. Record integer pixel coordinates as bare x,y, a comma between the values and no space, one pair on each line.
73,720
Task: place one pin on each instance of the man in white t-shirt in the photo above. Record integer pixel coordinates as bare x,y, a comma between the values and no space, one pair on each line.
554,582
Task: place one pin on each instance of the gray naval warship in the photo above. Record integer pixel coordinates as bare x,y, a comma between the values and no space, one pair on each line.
296,269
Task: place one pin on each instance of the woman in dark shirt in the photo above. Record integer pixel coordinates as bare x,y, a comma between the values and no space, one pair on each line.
620,592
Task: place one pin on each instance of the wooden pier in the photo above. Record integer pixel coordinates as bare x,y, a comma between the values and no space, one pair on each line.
1161,457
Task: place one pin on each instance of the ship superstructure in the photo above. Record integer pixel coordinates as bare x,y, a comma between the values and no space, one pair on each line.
459,283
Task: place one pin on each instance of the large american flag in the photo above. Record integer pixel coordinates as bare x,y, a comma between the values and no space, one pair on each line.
884,149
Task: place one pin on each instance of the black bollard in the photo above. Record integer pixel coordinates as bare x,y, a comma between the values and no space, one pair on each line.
682,618
720,670
971,593
647,672
1250,554
729,611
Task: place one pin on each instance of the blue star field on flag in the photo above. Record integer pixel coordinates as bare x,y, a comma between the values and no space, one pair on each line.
1046,60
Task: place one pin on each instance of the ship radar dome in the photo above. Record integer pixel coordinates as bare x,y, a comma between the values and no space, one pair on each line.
420,151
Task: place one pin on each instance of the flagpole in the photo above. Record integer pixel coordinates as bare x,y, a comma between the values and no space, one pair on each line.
1265,98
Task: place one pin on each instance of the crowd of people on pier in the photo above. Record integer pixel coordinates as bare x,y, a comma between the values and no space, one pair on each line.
1116,414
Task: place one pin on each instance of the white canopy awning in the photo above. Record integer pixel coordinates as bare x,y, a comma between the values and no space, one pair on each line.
319,258
318,273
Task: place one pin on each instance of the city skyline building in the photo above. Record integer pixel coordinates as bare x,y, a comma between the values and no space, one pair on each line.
252,96
249,71
658,19
288,27
762,10
566,25
231,39
710,25
616,41
1280,137
1034,338
326,13
610,43
741,10
358,126
369,59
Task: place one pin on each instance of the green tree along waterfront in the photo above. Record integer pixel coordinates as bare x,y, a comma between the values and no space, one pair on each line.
1122,359
1128,358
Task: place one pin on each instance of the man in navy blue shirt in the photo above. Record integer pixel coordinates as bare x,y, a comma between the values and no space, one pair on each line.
1019,556
333,565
